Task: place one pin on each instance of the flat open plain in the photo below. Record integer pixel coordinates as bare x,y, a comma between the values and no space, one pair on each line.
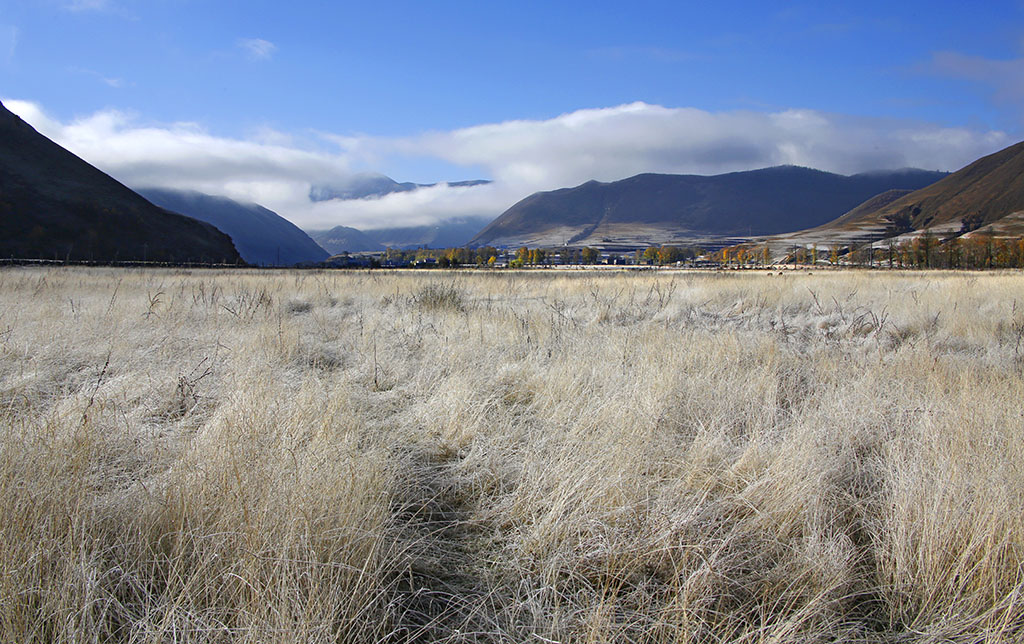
286,456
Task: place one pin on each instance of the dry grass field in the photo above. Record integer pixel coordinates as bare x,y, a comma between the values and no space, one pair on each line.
243,456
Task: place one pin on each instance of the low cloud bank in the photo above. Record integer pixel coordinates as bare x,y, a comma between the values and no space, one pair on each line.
613,143
521,156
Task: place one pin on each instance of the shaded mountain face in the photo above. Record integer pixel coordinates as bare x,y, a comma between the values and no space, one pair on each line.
369,185
261,236
54,205
660,208
974,197
342,239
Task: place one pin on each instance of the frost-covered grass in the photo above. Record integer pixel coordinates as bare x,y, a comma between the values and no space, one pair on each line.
201,456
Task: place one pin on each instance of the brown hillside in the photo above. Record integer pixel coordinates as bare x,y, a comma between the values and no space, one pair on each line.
869,207
981,193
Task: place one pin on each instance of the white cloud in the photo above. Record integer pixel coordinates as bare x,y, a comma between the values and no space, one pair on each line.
418,207
184,156
612,143
521,156
257,48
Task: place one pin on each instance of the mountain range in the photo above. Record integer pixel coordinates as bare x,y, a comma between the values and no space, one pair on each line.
54,205
450,233
688,209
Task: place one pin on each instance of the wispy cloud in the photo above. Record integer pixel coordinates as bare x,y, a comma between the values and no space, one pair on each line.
110,81
8,43
1005,78
257,48
521,156
87,5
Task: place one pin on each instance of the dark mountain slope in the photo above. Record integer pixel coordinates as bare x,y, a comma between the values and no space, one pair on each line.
261,236
755,202
54,205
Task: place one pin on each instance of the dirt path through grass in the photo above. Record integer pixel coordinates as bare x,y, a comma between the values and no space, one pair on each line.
442,593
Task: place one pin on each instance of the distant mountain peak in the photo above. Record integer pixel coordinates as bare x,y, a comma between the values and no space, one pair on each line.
344,239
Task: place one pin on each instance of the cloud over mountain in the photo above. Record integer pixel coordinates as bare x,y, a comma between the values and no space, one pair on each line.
522,156
612,143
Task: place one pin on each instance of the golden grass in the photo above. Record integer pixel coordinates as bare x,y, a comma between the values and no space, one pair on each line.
203,456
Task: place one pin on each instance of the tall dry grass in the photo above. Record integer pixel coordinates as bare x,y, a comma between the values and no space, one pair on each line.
201,456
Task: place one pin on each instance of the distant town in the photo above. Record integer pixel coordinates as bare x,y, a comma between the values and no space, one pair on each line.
970,251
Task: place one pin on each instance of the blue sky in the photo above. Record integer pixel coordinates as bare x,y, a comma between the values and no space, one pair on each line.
534,95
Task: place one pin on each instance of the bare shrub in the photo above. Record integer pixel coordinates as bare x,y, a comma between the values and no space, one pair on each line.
440,297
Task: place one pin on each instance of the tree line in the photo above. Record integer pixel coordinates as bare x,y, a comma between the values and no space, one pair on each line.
924,251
